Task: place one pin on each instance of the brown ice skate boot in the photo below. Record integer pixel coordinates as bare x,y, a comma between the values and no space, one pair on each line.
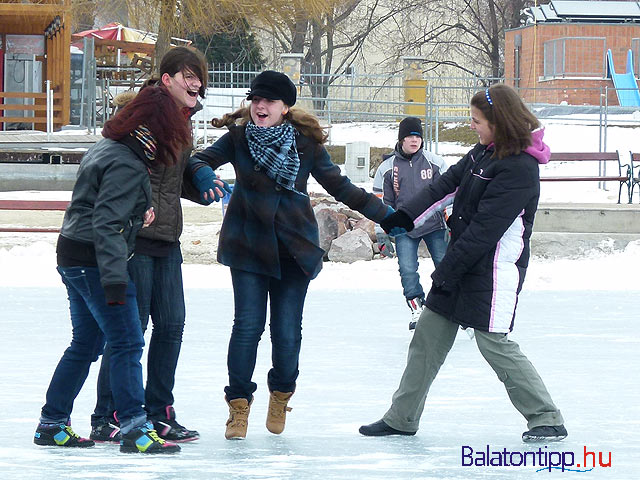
238,418
277,413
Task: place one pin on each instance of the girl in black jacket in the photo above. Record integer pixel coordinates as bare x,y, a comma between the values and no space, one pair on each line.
495,189
111,201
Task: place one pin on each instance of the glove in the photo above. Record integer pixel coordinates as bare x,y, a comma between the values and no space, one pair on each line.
384,244
396,223
206,181
395,231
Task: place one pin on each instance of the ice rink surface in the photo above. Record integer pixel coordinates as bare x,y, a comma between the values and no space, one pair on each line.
585,344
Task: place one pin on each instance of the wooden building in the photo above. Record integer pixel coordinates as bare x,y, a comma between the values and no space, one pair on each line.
35,39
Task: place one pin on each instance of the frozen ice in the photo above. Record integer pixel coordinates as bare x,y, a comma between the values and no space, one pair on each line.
585,344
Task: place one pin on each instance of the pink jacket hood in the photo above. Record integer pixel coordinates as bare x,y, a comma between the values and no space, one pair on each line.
538,149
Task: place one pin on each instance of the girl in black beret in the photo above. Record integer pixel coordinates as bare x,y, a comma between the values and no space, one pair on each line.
269,236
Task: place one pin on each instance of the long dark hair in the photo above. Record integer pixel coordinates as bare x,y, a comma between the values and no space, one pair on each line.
154,108
511,119
180,59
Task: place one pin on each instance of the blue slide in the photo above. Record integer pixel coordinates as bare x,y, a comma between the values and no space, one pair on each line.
628,94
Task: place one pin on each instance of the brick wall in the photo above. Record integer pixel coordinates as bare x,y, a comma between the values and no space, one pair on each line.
579,56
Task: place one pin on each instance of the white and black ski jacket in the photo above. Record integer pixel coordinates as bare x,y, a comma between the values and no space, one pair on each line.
495,201
400,178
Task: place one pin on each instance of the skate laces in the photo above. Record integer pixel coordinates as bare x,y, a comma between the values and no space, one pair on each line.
70,432
154,436
239,415
279,406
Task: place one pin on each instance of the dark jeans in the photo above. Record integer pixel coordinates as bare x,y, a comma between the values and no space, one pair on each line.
407,251
286,301
160,294
92,322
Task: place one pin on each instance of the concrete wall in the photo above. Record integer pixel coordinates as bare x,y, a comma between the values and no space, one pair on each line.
16,176
588,218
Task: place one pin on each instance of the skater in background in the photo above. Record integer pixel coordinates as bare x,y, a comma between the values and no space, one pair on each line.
156,267
495,187
401,175
269,236
107,209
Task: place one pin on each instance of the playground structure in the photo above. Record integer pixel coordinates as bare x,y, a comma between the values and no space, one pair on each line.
625,83
568,52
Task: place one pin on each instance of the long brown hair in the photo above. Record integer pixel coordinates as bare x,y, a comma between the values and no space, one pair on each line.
511,119
154,108
301,120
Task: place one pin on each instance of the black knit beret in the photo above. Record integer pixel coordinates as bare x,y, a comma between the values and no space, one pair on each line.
275,86
410,126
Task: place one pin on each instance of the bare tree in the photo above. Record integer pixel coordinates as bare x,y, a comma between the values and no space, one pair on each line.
176,17
467,35
333,41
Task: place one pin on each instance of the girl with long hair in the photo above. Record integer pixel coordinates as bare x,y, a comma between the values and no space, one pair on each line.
111,202
156,268
495,190
269,235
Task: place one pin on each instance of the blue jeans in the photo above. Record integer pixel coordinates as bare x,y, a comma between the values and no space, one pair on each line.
286,301
158,283
407,251
92,322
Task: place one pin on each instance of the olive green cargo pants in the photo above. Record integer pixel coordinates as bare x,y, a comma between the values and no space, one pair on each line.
432,340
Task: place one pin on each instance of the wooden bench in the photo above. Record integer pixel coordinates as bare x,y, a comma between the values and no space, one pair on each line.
46,205
624,176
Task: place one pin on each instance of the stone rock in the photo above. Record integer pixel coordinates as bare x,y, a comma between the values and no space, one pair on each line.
368,226
321,203
331,225
352,246
342,208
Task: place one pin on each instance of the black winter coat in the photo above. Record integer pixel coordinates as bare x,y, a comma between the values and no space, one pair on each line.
262,214
495,201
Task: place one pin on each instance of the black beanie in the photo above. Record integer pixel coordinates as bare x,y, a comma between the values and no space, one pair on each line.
410,126
274,86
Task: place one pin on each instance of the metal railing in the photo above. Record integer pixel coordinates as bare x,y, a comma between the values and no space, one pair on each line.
350,97
232,75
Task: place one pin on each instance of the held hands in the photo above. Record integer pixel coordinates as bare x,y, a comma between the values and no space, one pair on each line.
396,223
210,186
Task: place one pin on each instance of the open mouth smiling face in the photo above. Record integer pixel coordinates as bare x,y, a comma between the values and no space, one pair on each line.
184,87
266,112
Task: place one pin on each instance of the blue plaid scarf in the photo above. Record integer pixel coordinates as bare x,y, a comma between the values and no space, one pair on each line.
274,149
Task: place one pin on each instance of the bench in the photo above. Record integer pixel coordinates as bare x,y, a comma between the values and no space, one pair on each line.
624,176
634,158
46,205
